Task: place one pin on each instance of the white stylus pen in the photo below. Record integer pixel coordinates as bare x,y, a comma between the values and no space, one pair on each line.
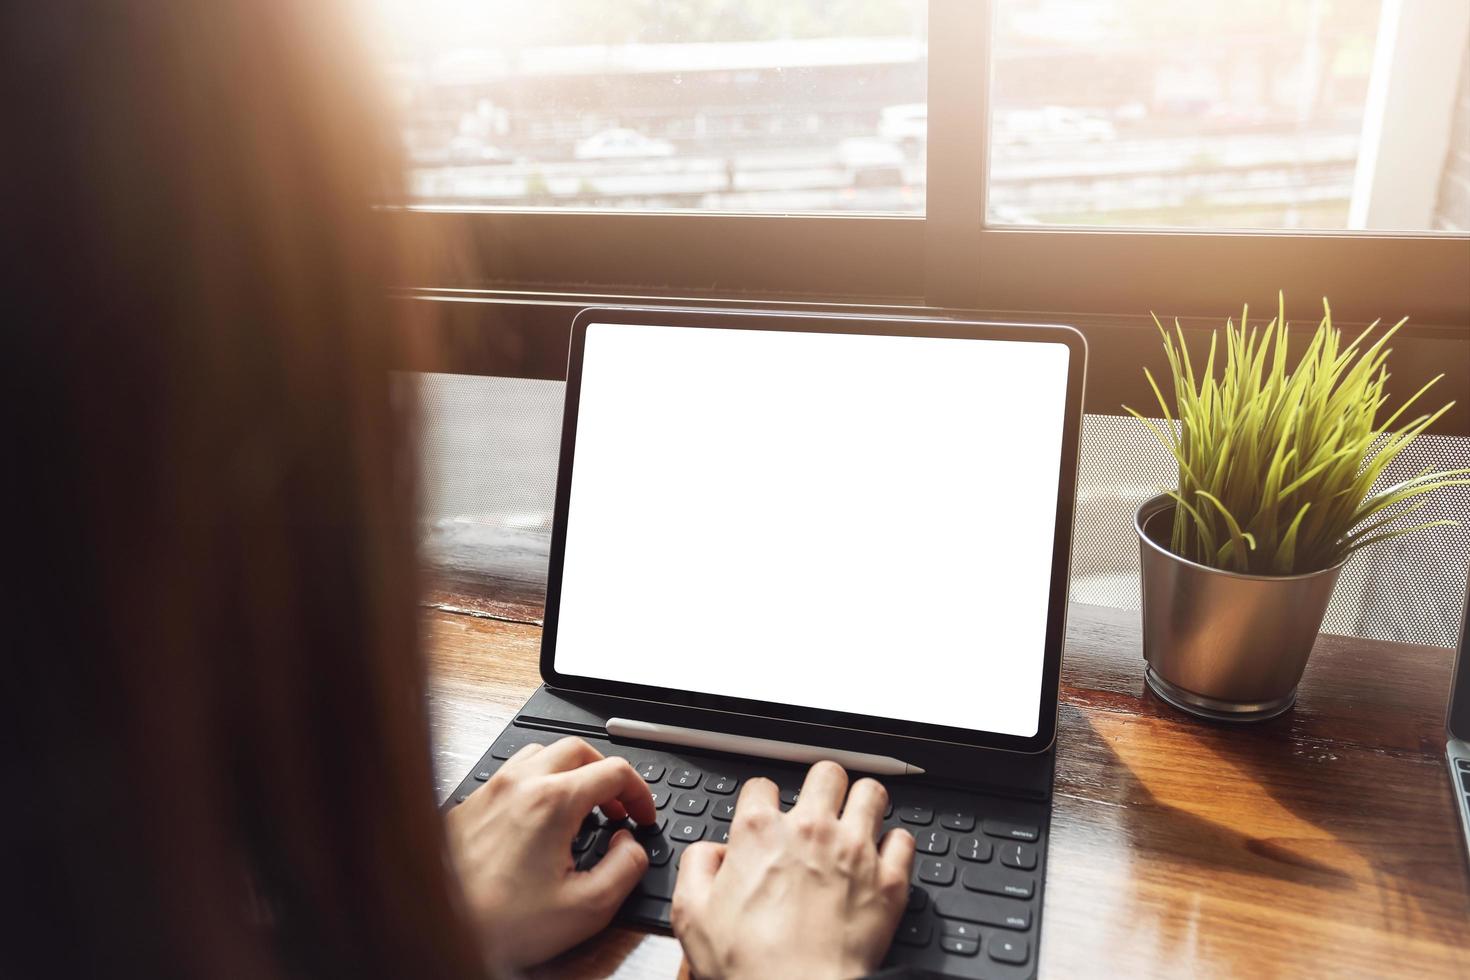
765,748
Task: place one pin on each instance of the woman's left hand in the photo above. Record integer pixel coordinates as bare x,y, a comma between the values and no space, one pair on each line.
511,841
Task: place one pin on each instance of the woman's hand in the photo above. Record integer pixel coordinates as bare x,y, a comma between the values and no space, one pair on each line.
804,894
511,841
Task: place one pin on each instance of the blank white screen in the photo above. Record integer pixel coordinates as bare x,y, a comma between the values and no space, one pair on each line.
835,521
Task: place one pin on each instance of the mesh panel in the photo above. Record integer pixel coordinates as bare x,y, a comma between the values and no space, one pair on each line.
1413,587
489,448
1410,589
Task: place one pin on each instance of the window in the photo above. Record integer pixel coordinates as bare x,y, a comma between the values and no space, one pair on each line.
1320,147
727,105
1314,114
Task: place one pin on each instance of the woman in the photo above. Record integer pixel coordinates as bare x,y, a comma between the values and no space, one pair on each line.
215,683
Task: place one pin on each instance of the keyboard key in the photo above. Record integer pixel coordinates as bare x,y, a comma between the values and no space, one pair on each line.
720,834
724,810
1006,950
658,880
1465,780
962,930
647,830
601,839
659,851
512,742
685,778
957,820
482,775
918,898
921,815
932,842
1014,831
687,830
936,872
959,947
661,798
507,748
1021,856
463,795
790,796
974,849
998,881
651,772
914,932
1464,764
987,910
596,849
690,803
723,785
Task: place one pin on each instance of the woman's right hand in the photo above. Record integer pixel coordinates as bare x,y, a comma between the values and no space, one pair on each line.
808,893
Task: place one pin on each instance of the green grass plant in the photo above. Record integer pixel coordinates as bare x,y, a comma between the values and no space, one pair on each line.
1277,467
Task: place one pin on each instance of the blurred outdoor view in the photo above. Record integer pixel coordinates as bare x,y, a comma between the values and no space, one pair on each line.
749,105
1241,114
1217,113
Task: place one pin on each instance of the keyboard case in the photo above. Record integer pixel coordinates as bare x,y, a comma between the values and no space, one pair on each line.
976,899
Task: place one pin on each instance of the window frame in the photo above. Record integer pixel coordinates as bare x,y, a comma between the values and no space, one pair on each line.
1105,281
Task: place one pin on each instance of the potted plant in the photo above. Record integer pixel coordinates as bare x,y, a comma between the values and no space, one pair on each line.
1277,470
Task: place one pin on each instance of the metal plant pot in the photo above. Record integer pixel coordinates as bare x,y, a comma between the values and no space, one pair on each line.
1220,644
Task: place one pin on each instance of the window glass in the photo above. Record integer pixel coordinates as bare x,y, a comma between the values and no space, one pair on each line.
1313,114
730,105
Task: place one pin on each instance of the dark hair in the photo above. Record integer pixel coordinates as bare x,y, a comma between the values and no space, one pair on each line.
212,672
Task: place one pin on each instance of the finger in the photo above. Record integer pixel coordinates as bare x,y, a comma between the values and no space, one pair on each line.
697,869
613,810
825,788
604,887
896,861
758,793
522,754
606,781
564,754
866,802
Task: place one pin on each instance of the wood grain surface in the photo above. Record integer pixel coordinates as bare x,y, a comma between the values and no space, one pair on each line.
1322,843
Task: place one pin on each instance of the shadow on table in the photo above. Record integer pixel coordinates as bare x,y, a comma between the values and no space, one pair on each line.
1270,803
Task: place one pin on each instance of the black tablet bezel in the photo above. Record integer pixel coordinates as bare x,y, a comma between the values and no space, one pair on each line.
960,329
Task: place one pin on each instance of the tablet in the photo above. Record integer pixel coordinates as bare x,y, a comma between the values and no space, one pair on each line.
847,521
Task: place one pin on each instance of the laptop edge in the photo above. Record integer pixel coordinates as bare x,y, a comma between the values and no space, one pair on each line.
1457,726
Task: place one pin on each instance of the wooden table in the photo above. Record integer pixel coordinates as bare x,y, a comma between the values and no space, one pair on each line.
1322,843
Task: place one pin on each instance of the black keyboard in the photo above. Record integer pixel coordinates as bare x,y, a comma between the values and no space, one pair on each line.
975,897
